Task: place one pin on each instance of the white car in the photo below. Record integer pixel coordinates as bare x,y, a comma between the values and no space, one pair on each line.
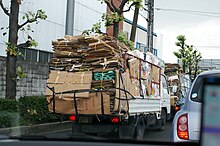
186,123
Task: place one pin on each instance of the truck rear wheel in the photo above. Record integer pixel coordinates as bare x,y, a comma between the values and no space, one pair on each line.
162,121
140,129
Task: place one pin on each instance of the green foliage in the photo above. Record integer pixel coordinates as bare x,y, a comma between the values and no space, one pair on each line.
9,119
32,17
25,111
188,56
12,50
34,110
9,105
19,72
112,18
123,38
9,113
96,29
33,43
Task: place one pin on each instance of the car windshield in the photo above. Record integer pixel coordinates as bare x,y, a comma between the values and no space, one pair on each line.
104,69
196,93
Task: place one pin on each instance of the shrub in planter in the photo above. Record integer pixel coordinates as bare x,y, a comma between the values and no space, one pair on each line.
9,119
9,105
33,110
9,116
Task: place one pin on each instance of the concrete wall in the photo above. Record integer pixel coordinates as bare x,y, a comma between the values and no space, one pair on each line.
33,84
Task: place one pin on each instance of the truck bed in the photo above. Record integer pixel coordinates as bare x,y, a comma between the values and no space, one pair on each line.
144,105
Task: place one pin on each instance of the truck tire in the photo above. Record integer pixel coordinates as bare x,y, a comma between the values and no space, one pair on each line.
140,129
126,132
162,121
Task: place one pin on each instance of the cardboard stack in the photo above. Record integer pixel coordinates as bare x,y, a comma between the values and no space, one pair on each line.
85,62
97,62
86,53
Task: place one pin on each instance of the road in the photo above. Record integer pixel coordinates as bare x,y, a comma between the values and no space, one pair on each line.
150,135
153,135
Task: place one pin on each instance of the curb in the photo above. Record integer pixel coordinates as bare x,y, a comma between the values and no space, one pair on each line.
36,129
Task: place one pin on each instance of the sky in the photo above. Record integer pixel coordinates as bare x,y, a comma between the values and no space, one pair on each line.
203,32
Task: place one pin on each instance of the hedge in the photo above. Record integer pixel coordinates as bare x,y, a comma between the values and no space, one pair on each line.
27,110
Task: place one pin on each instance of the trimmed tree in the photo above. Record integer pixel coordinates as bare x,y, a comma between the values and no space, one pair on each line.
188,56
181,54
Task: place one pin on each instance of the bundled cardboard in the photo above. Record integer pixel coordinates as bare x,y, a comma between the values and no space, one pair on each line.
66,81
131,85
86,53
85,62
134,66
91,105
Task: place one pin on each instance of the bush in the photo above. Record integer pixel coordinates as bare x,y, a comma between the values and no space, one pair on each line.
9,105
9,119
34,110
25,111
8,113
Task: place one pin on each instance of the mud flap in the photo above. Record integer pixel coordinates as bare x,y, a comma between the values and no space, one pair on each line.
126,132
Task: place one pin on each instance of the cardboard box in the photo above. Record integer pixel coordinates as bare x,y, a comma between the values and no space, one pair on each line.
91,105
66,81
68,87
56,77
134,68
131,85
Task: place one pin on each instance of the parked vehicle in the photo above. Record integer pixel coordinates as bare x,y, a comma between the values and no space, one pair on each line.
186,123
125,99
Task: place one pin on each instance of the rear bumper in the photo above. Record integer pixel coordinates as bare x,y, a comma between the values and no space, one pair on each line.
95,128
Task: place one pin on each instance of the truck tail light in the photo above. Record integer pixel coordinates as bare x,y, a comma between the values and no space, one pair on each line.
115,119
182,127
72,118
176,108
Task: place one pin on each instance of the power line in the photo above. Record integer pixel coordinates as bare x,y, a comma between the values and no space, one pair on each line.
200,13
204,12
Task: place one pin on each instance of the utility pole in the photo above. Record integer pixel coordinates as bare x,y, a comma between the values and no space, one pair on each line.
70,17
150,26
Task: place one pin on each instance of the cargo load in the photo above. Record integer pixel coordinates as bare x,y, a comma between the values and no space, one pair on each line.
103,85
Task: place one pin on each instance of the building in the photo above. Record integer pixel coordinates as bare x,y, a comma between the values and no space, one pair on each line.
209,64
55,25
141,32
84,13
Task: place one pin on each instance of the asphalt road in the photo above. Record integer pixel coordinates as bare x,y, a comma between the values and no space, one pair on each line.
150,135
160,136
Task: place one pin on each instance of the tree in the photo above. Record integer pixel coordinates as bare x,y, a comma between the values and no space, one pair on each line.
189,60
197,58
12,46
117,13
181,54
135,20
189,57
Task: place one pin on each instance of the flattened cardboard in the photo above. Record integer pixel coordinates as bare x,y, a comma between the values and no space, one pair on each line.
91,105
66,81
68,87
131,86
134,66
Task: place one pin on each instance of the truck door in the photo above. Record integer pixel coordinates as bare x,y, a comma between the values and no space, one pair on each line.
165,96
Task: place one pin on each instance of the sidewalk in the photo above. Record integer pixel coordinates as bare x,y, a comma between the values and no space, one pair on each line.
36,129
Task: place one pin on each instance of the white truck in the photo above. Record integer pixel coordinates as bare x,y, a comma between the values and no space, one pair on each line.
138,97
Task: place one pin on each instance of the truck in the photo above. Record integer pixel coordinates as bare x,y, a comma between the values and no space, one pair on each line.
179,84
104,87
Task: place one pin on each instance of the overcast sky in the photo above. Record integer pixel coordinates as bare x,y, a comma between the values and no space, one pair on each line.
201,31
